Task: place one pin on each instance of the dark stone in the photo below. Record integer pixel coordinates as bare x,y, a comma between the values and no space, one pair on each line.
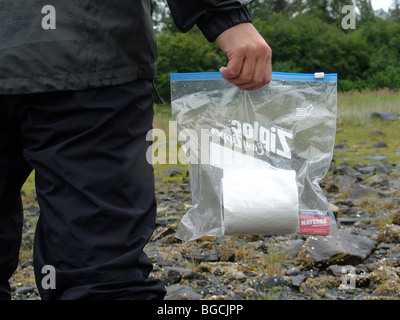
202,257
339,146
172,172
377,158
347,220
380,144
367,170
343,249
173,275
293,271
181,292
298,280
264,282
384,116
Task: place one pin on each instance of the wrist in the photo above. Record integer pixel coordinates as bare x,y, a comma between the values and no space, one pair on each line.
216,22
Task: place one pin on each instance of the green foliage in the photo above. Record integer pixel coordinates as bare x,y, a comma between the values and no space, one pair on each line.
185,52
305,36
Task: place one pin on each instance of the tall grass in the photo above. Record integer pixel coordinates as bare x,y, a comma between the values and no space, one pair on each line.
162,145
355,108
357,130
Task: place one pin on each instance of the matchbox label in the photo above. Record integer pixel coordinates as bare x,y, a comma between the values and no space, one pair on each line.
314,222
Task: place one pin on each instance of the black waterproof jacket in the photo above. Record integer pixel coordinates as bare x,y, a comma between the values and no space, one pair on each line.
74,45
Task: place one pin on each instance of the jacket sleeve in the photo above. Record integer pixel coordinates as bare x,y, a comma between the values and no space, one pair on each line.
211,16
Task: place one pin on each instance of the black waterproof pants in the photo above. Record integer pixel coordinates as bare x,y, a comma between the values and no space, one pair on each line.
94,185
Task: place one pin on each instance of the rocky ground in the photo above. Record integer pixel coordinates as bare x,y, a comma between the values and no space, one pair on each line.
362,262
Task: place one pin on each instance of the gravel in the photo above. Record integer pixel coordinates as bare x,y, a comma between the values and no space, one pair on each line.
366,202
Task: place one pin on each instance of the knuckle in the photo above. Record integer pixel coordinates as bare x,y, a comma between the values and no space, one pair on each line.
233,73
253,49
264,49
258,80
246,78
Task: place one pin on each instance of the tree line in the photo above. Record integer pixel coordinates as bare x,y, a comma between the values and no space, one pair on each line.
305,36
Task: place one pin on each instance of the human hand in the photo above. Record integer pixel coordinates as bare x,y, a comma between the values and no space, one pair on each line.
249,66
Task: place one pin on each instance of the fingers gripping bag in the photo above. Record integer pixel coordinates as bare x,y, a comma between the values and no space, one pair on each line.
255,158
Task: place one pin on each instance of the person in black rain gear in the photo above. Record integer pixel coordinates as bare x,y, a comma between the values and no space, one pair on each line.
75,107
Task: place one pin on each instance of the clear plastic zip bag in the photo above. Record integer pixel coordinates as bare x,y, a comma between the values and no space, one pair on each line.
255,159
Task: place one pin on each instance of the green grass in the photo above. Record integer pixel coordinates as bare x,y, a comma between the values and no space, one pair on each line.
357,130
162,118
355,108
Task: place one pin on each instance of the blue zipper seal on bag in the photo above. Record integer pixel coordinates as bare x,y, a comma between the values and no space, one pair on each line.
284,76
